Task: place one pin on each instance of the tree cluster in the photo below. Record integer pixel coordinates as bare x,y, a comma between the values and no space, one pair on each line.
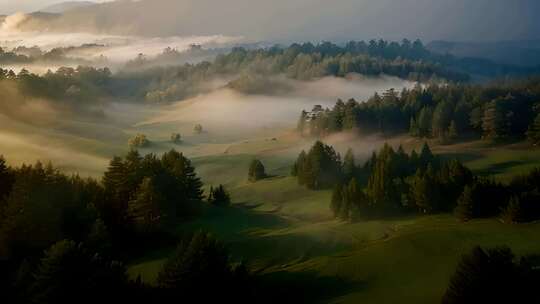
394,182
69,270
493,276
137,196
219,196
149,191
446,112
176,138
139,141
516,202
320,168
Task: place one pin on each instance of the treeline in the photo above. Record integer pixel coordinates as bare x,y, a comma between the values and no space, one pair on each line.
298,61
393,182
27,55
445,112
78,86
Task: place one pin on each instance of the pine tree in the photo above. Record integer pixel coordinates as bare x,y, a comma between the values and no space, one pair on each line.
302,122
452,131
176,138
68,271
533,133
495,123
299,169
441,118
465,205
219,196
420,193
6,181
199,264
337,200
490,276
424,121
320,168
413,128
349,165
256,171
512,212
144,210
426,156
354,197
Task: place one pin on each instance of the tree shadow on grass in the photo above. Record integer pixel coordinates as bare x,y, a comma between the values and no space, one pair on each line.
499,168
305,287
462,157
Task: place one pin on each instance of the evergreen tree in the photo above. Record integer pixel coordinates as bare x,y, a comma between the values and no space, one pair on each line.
441,118
68,271
176,138
465,205
219,196
298,168
337,200
424,122
512,213
351,200
117,193
44,206
302,122
491,276
320,168
139,141
414,130
6,181
452,131
349,165
144,210
495,123
256,171
421,192
426,156
533,133
199,264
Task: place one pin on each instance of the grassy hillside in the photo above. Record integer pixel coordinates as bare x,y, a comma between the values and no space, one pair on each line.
287,234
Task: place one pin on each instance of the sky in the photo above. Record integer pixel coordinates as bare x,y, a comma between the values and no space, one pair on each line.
11,6
315,20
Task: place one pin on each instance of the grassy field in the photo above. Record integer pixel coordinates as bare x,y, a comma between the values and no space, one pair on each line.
286,233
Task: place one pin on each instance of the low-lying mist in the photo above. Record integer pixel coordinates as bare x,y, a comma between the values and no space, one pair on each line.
227,111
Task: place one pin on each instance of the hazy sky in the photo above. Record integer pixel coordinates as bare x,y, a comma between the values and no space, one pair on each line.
289,20
11,6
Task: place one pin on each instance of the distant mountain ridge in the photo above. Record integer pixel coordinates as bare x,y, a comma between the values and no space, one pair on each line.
63,7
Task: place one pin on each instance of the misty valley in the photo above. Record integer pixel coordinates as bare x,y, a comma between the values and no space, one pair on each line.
149,157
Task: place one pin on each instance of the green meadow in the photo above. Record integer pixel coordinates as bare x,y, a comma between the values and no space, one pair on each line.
286,233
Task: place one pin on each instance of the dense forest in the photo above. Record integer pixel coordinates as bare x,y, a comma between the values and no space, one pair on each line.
170,77
393,182
86,227
501,111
